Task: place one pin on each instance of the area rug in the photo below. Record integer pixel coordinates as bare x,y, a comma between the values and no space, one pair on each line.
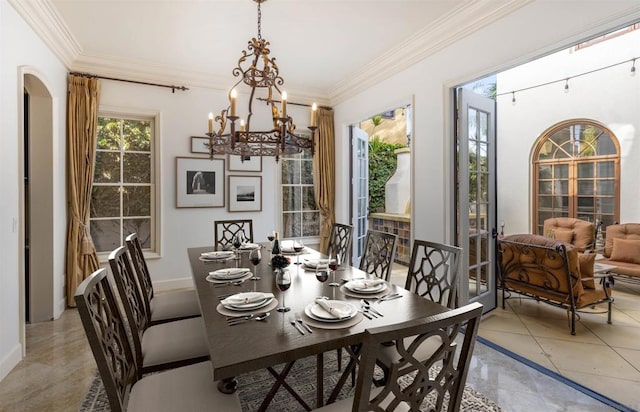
253,387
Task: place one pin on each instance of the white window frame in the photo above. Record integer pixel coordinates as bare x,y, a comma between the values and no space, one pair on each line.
309,240
156,189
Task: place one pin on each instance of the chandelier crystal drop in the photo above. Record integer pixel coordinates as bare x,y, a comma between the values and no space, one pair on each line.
261,74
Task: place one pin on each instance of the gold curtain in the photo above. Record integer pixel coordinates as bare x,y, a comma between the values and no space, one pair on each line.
82,127
324,176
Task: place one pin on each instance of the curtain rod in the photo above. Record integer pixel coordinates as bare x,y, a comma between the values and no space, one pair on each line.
294,103
173,88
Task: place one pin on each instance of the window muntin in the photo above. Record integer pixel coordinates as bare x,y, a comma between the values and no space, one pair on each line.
576,174
300,215
123,189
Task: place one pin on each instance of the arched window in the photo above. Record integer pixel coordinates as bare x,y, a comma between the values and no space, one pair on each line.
576,169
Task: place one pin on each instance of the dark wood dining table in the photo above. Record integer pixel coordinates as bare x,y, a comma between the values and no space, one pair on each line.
255,345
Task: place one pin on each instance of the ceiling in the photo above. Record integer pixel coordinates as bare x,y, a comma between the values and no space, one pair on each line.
324,48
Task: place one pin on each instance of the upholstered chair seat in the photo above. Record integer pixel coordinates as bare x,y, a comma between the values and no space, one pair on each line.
170,306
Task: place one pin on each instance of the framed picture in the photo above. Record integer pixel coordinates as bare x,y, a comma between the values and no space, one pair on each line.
199,144
245,163
245,193
199,182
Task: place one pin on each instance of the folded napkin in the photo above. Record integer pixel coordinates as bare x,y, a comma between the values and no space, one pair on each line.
229,272
250,246
313,263
366,283
331,310
216,254
247,297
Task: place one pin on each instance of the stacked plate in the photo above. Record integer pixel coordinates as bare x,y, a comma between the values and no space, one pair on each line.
366,286
338,311
246,301
217,255
226,275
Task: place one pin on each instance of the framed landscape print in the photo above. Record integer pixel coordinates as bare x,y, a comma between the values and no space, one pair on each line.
244,163
199,182
245,193
199,144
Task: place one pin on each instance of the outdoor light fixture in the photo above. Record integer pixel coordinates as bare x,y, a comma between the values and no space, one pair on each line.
633,68
260,73
566,86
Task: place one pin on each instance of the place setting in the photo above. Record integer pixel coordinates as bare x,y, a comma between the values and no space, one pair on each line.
229,276
364,288
245,306
294,248
332,314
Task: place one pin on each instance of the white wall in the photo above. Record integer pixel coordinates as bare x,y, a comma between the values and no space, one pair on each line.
506,43
21,50
611,97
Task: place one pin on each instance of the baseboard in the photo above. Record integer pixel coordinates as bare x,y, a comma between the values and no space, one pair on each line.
10,361
181,283
59,308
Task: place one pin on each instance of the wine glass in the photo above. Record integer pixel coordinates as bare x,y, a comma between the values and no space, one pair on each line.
254,257
283,282
270,237
334,264
322,271
237,242
298,247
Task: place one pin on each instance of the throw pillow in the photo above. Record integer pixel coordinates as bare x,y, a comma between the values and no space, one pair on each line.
563,235
626,250
586,262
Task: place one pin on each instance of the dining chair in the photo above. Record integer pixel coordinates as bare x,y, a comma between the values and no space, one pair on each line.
156,347
165,307
435,382
432,274
226,230
340,241
378,253
189,388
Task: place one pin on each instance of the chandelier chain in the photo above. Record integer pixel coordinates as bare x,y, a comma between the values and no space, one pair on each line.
259,22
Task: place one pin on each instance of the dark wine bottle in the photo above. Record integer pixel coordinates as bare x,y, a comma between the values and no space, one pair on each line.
276,245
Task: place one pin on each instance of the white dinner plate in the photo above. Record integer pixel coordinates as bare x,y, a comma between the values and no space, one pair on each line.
353,286
315,311
248,306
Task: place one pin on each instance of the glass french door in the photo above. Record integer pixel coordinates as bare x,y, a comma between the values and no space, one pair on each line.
360,191
476,199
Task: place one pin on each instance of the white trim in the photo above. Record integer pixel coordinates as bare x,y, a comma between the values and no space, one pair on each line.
59,307
13,357
179,283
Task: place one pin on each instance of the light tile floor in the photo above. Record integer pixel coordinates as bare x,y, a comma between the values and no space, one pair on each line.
604,358
59,366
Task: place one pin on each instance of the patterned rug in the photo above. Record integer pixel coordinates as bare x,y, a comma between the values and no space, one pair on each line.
253,387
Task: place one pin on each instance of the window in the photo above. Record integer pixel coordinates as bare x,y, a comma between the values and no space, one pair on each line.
300,215
122,200
576,174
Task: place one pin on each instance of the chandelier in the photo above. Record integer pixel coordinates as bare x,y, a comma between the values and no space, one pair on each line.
260,72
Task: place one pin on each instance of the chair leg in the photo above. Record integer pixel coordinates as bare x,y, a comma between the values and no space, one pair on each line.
339,355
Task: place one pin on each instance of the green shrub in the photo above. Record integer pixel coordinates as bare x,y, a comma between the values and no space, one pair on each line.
382,165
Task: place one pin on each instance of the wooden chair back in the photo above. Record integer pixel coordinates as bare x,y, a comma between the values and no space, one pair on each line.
433,272
226,230
340,241
378,254
105,328
141,269
439,380
131,298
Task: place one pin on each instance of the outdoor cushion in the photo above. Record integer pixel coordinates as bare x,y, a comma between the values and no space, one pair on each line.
563,235
586,262
626,250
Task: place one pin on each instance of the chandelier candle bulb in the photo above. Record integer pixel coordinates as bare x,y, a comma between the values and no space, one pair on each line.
210,122
314,109
234,97
242,125
284,105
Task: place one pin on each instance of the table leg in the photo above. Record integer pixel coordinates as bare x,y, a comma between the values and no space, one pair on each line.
320,380
280,381
354,354
228,385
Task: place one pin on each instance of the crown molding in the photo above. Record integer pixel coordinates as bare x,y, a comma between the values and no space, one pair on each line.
468,17
43,18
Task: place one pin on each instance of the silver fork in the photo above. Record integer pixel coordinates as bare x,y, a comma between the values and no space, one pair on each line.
301,322
295,325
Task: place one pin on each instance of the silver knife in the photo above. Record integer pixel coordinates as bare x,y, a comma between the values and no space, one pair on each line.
295,324
301,322
372,309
